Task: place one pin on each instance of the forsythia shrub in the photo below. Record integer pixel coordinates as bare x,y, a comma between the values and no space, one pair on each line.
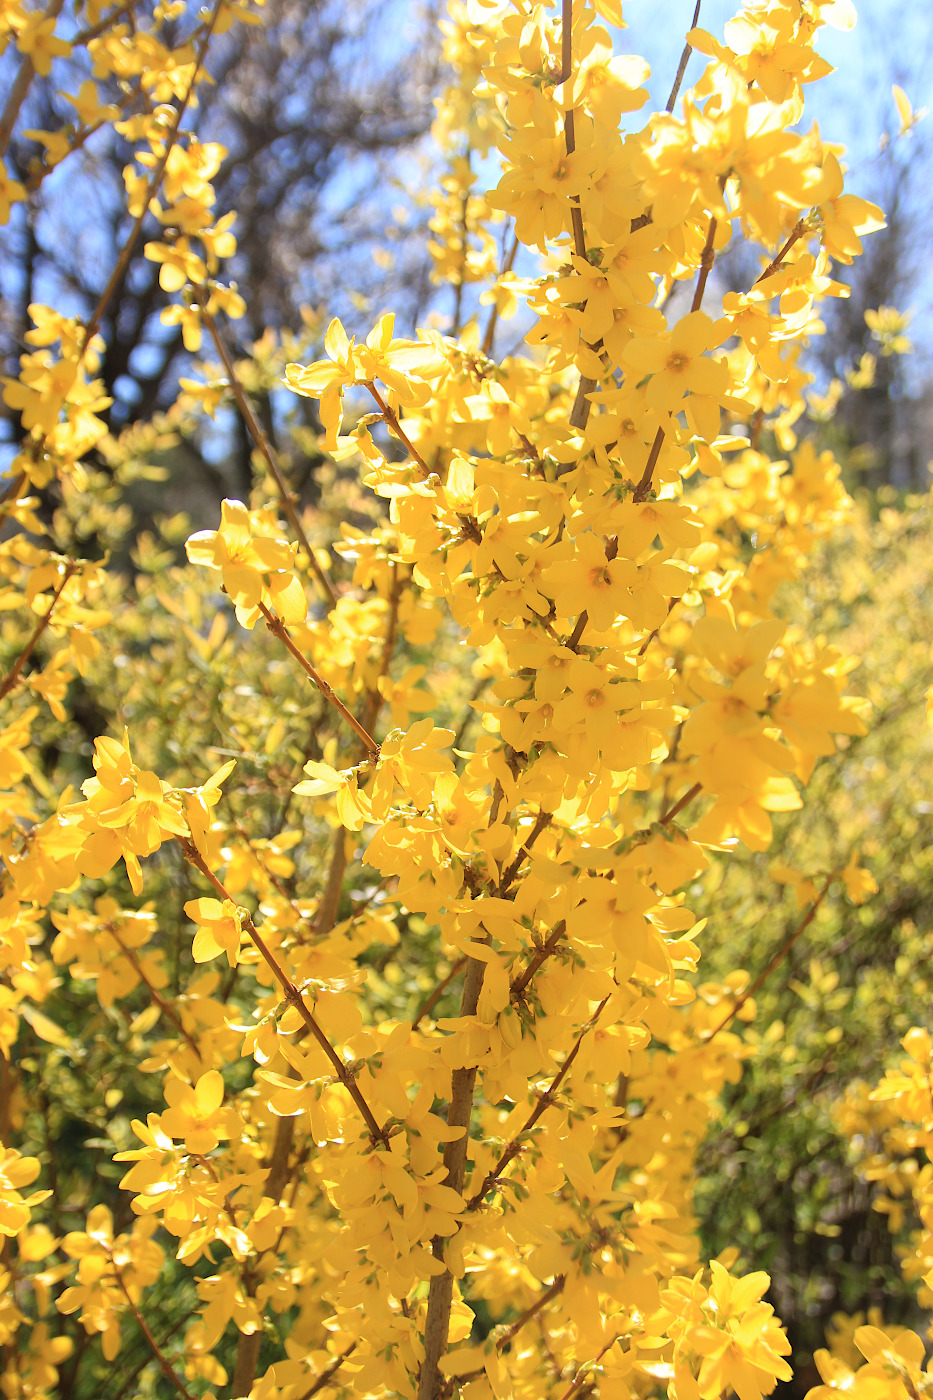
403,991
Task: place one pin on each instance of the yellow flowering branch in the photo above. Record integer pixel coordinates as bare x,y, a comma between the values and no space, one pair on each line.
643,489
171,136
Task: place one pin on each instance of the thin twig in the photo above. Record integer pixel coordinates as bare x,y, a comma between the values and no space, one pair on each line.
707,258
278,629
778,958
679,805
330,1371
391,420
13,675
21,85
797,232
293,996
643,489
541,956
429,1003
682,66
545,1100
165,1366
166,1007
541,823
656,630
507,1334
261,439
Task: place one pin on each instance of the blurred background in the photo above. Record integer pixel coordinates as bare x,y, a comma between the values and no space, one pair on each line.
326,115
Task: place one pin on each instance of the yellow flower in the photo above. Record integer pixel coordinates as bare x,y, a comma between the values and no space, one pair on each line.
219,929
256,567
16,1172
678,365
196,1112
844,216
128,813
397,363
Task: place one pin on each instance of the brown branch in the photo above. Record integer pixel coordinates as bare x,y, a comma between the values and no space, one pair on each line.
582,1383
680,804
166,1007
293,996
707,258
541,956
329,905
84,36
778,958
165,1366
545,1100
570,144
440,1292
21,85
429,1003
261,439
541,823
13,675
391,420
797,232
278,629
553,1291
643,489
330,1371
470,713
682,66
